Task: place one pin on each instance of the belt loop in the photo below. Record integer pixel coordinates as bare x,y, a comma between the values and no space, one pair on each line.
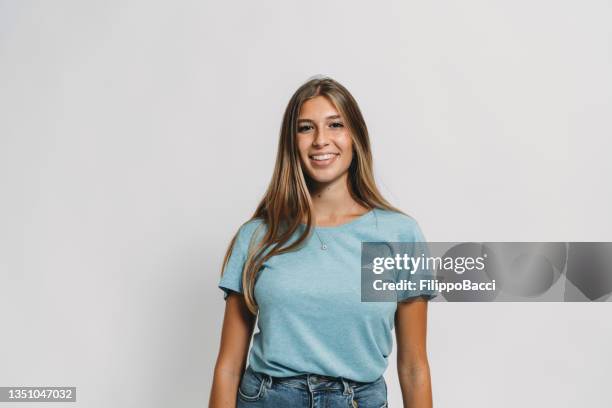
347,388
309,382
269,378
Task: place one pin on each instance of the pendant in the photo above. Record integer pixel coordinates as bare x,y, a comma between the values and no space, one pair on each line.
324,247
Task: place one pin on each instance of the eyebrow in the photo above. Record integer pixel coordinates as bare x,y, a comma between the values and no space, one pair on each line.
329,117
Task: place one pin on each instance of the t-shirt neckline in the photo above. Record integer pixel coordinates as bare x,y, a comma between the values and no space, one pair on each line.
346,224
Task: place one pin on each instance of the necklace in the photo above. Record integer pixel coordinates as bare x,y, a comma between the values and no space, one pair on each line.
323,244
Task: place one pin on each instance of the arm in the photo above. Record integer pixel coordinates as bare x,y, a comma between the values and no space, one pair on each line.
412,364
238,325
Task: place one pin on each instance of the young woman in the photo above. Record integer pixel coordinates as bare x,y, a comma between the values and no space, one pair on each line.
296,265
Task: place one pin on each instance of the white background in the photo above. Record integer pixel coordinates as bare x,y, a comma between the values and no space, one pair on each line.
137,136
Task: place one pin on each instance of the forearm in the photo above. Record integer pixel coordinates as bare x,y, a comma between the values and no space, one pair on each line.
415,383
224,388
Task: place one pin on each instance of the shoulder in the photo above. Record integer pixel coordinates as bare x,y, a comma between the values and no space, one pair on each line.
250,226
397,224
395,219
249,230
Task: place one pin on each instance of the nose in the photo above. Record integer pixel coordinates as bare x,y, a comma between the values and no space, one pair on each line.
320,139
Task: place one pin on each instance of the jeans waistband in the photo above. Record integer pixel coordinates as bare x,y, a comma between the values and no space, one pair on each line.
313,382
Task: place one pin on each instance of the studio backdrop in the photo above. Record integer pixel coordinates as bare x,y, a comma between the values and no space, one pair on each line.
137,136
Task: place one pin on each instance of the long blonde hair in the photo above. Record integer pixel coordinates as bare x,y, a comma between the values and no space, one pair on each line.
287,201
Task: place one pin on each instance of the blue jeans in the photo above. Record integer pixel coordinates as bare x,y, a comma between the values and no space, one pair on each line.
309,391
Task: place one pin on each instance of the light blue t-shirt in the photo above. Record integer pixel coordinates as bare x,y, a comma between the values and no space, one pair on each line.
311,317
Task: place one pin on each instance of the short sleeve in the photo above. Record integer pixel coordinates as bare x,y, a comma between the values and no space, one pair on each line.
421,272
231,279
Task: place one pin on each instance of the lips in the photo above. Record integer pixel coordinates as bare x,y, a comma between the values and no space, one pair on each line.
323,159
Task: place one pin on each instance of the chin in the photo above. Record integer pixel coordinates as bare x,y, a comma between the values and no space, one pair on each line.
324,178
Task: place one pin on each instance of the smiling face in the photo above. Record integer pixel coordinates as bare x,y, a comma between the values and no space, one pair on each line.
324,141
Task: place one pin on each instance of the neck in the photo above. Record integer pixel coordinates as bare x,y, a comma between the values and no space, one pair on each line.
333,203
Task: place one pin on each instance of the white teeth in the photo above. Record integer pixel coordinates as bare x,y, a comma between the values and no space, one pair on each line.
323,156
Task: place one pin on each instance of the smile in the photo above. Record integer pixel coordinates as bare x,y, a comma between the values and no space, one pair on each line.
323,160
322,157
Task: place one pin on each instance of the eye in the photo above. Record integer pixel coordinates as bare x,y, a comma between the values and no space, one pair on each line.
303,128
337,124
